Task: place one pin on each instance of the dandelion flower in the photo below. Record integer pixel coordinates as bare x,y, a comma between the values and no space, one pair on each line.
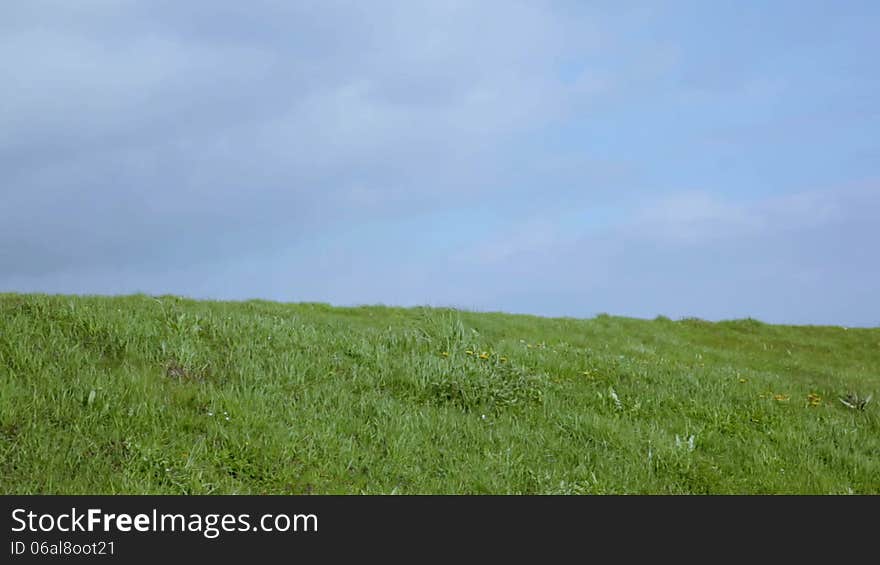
780,397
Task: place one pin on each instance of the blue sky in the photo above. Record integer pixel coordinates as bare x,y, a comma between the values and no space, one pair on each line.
711,159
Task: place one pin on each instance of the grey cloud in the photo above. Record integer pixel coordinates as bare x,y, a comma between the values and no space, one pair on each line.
202,148
165,132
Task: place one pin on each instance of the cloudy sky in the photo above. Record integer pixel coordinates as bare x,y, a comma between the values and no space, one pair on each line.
713,159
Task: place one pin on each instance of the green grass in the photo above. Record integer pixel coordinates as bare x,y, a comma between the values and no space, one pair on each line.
164,395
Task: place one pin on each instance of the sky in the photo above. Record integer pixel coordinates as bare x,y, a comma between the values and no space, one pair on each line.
711,159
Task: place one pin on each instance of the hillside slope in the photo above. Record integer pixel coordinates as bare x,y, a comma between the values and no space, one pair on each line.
145,394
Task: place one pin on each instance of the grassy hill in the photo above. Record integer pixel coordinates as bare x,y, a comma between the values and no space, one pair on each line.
165,395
